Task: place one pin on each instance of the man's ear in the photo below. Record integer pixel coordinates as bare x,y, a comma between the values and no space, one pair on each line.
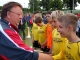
8,14
70,28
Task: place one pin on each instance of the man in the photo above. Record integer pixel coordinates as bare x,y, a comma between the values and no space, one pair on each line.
11,45
21,27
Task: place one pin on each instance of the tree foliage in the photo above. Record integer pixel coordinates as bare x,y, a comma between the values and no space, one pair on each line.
46,5
57,5
34,5
68,4
0,7
51,4
78,1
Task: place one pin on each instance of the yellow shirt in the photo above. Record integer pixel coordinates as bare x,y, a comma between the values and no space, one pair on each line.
57,42
35,32
42,34
70,52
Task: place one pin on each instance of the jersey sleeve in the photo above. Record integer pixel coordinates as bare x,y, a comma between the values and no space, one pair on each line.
13,47
59,56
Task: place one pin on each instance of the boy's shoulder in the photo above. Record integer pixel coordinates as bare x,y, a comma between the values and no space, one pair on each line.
55,31
79,46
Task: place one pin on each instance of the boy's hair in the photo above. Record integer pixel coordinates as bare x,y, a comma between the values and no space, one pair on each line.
57,14
69,19
37,15
48,12
38,20
7,7
36,12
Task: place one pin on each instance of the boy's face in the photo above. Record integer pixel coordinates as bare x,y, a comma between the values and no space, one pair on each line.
48,17
40,24
64,31
55,23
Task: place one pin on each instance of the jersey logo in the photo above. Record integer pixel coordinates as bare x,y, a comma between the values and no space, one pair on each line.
68,47
68,56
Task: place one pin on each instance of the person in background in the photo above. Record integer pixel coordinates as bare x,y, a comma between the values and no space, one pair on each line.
58,41
44,19
67,28
78,27
22,27
35,35
28,17
12,46
41,32
48,41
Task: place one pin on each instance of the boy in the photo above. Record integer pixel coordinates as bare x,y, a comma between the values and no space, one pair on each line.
42,33
48,32
67,28
35,34
57,39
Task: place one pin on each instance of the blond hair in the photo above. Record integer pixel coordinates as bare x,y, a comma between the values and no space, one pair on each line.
37,15
56,14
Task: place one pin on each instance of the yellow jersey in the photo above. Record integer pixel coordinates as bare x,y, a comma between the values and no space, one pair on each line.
35,32
70,52
57,42
42,34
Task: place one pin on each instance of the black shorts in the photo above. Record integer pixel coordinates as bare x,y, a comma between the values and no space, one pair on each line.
36,44
45,49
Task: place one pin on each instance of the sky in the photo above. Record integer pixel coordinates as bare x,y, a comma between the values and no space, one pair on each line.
24,3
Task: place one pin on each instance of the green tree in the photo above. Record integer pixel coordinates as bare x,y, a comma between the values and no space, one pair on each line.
34,5
51,4
45,4
68,4
0,7
57,5
78,1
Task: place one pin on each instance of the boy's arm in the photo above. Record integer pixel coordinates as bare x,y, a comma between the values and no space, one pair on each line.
59,56
43,56
44,44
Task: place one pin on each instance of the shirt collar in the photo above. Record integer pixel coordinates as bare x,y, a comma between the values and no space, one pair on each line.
8,23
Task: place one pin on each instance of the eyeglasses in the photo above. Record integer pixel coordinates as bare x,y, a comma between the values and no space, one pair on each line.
17,13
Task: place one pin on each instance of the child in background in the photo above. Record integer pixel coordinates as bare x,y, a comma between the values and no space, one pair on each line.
48,32
41,32
57,39
67,28
35,35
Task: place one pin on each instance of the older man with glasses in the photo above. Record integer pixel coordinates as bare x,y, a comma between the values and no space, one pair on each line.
11,45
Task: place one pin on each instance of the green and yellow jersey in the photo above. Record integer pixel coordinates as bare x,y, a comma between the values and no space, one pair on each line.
42,34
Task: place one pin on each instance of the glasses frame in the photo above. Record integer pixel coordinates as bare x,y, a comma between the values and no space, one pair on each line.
16,13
